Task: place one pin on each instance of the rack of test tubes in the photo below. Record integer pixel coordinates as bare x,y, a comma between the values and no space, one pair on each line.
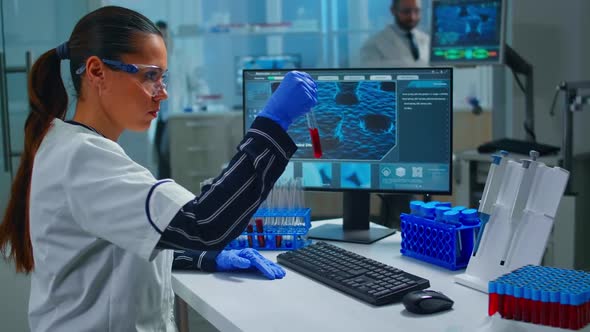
438,233
281,222
542,295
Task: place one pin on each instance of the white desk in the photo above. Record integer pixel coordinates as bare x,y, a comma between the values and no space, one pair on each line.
248,302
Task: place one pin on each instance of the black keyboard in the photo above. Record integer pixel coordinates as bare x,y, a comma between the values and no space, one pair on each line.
355,275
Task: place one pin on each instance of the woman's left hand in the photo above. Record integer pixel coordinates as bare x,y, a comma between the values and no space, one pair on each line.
248,258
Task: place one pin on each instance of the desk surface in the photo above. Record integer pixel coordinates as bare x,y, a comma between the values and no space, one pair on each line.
247,302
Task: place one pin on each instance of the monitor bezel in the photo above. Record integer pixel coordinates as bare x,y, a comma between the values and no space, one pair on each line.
371,190
237,57
463,63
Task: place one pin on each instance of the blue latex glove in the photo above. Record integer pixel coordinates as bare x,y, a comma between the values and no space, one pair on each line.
296,95
248,259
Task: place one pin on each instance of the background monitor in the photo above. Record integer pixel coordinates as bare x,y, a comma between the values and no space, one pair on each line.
280,61
381,130
467,32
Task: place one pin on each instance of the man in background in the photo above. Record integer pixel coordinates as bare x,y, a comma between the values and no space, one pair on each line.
400,44
161,137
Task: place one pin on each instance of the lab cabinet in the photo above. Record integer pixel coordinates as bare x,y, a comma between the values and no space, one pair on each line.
201,144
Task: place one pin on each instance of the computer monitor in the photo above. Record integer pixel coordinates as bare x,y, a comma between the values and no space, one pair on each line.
279,61
467,32
381,130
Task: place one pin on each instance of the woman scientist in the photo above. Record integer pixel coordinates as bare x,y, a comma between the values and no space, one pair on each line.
92,225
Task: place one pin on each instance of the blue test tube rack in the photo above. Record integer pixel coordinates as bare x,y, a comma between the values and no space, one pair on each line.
439,234
275,229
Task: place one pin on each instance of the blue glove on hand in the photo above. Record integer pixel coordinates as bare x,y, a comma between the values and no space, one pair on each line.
242,259
296,95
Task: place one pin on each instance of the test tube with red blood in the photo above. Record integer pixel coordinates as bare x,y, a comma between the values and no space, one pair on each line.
250,229
259,229
314,134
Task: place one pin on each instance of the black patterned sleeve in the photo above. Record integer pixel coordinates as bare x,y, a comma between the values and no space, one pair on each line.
224,208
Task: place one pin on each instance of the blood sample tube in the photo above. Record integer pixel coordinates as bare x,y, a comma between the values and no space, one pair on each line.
260,229
493,298
508,312
314,134
527,304
564,309
545,308
554,308
500,290
536,306
517,304
250,229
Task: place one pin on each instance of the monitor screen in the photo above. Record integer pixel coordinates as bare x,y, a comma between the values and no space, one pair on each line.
282,61
381,130
467,32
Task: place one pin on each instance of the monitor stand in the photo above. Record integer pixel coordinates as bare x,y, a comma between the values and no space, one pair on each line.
356,225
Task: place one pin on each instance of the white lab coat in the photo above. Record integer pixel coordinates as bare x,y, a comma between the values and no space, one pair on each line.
391,48
96,268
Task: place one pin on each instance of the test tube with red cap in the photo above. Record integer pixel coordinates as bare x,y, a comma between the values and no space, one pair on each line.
314,134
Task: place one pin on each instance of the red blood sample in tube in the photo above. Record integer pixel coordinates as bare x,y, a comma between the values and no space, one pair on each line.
250,229
259,229
315,142
493,303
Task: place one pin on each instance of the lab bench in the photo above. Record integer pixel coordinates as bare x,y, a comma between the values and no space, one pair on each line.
246,302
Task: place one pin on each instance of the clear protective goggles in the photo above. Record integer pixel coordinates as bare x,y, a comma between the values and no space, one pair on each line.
152,78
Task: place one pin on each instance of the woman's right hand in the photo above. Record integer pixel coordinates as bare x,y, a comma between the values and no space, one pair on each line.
295,96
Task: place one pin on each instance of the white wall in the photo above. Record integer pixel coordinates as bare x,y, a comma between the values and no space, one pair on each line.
553,36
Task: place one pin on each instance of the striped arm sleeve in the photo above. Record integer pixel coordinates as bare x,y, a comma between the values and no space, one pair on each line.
195,260
222,211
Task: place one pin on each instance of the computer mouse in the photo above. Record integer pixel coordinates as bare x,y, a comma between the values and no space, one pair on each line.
426,302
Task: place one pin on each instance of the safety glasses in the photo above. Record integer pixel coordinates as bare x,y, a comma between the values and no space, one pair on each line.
153,78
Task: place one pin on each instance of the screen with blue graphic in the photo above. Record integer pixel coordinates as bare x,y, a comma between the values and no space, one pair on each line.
381,130
467,32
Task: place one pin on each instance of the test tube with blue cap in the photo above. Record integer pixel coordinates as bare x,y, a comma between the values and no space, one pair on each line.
452,217
428,210
416,207
470,217
440,211
458,208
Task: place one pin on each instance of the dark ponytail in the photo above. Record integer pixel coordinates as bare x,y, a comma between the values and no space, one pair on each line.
48,100
108,32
